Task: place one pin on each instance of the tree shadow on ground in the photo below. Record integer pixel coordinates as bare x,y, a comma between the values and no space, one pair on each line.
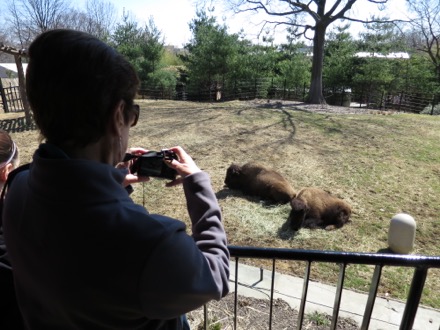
16,125
287,120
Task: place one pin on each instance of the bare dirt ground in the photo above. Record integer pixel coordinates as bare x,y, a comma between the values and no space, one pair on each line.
253,314
322,108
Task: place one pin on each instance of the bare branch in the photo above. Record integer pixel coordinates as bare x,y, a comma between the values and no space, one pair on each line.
259,5
369,21
12,50
426,26
292,13
289,10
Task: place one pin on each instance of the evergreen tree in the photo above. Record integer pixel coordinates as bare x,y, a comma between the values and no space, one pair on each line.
209,54
340,48
376,72
294,68
144,48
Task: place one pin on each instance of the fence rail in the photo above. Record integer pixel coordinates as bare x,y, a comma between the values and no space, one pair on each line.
420,264
264,88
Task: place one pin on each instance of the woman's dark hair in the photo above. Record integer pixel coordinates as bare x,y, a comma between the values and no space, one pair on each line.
73,82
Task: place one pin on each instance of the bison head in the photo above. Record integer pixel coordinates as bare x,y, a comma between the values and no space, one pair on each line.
233,176
297,214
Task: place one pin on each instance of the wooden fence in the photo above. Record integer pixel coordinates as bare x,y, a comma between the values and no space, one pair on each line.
11,100
378,100
263,88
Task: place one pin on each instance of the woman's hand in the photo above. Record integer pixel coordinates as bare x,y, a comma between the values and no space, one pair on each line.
132,178
137,151
184,166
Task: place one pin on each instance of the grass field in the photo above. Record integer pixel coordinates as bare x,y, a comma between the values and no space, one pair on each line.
380,164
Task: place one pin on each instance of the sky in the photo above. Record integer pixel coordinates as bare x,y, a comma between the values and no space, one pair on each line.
173,16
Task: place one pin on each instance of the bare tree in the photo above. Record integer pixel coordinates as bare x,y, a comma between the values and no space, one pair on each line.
4,39
426,30
28,18
17,27
101,18
98,19
75,19
297,14
31,17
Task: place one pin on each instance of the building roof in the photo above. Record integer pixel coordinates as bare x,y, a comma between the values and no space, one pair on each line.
390,55
4,67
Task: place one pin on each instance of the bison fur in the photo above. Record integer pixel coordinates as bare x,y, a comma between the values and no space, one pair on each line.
258,180
317,208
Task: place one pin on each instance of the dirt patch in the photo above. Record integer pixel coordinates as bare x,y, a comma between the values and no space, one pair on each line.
254,314
354,109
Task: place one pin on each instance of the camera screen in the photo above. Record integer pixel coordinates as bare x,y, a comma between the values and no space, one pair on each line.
150,167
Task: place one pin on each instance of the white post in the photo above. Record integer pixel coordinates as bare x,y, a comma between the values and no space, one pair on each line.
402,233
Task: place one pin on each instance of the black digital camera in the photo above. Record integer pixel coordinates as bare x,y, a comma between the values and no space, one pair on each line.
152,164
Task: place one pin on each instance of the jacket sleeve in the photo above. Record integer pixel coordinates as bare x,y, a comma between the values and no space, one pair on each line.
197,267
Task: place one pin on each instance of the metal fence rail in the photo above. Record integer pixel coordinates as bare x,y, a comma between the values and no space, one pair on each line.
420,264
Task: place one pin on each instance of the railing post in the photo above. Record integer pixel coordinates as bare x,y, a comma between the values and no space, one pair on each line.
371,297
205,316
412,303
304,296
236,293
272,288
338,297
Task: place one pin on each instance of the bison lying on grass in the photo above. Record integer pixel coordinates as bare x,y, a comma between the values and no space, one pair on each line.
316,208
255,179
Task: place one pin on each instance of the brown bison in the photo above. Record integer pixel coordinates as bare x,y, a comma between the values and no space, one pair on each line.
255,179
316,208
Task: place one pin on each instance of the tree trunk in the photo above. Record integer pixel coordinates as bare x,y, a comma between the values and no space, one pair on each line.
437,71
315,93
22,89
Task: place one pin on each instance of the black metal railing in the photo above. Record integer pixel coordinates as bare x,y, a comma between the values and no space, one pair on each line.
421,264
